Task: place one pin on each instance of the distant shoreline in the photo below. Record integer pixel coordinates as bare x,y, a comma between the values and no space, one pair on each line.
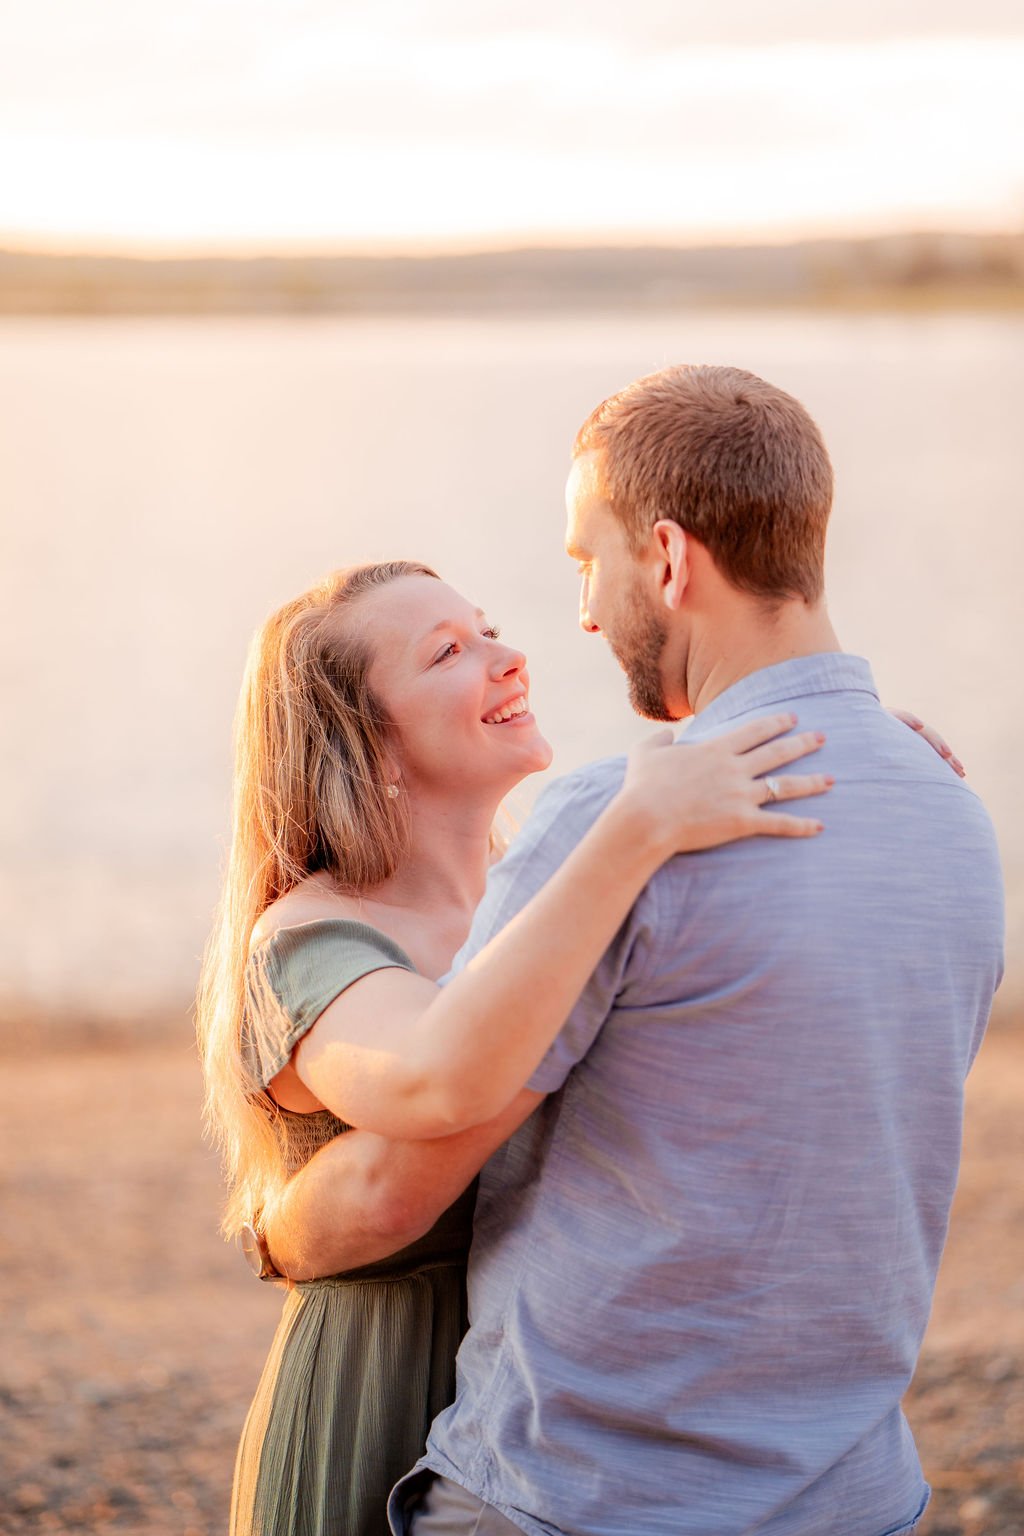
939,301
912,272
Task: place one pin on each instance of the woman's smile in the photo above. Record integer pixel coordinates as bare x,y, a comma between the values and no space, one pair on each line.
515,709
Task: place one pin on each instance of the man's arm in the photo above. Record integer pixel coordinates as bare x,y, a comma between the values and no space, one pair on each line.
363,1197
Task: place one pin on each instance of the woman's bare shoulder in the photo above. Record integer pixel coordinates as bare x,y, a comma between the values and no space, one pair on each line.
305,903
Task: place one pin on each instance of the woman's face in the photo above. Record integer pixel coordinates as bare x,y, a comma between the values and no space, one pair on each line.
457,694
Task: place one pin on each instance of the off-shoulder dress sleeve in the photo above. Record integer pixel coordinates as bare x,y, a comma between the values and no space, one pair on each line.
295,974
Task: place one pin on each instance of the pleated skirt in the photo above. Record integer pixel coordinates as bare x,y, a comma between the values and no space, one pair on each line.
357,1371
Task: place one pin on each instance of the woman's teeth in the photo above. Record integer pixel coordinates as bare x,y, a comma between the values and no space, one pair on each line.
507,713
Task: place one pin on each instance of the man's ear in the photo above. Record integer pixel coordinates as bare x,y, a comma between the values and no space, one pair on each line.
672,556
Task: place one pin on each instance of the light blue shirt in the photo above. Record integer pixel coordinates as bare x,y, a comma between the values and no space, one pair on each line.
702,1271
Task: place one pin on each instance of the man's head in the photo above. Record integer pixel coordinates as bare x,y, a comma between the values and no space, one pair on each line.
696,494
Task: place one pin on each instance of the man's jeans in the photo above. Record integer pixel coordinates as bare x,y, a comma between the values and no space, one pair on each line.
444,1508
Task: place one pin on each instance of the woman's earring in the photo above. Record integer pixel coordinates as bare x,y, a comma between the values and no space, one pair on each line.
392,791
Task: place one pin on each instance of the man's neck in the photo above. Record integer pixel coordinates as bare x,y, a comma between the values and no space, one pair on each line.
751,642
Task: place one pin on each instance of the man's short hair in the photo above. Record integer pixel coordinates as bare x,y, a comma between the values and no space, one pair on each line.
734,461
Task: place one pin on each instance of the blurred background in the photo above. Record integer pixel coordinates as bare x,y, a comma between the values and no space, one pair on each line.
288,286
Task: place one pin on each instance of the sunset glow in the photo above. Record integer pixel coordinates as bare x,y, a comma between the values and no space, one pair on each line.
315,129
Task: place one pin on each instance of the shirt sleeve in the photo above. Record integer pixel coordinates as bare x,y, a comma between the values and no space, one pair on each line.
562,815
297,973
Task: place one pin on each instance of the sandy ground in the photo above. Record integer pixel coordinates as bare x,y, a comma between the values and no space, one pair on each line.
133,1337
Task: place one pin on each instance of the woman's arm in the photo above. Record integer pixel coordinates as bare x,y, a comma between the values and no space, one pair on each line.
394,1055
363,1197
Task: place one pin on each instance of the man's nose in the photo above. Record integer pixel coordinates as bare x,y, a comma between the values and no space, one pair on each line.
586,622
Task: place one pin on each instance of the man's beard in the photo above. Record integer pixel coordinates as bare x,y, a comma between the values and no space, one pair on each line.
639,641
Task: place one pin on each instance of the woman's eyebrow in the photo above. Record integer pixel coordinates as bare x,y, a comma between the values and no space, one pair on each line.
446,624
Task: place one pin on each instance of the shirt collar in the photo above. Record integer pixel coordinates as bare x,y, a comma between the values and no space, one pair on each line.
771,687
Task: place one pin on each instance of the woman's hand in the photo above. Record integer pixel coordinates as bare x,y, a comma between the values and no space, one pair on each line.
690,797
932,737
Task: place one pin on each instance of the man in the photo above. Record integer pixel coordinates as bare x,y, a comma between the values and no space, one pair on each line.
702,1269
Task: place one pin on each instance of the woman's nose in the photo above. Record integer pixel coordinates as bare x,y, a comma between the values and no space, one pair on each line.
509,662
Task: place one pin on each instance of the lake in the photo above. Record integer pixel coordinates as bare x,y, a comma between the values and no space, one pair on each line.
164,484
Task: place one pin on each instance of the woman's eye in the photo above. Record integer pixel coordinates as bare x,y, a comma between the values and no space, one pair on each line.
451,649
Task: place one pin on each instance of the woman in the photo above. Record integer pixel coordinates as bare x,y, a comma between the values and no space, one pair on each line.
380,725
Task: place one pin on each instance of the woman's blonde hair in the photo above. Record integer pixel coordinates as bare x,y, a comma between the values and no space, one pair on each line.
312,763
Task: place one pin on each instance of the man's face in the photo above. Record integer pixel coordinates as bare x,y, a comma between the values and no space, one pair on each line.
614,598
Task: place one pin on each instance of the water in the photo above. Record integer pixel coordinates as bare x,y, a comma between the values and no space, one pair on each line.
163,484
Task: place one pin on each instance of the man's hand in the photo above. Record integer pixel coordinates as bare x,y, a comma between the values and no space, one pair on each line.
363,1197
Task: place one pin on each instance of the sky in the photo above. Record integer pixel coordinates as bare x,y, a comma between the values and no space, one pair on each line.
275,125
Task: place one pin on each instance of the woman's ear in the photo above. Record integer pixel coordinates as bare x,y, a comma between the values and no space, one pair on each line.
390,766
672,562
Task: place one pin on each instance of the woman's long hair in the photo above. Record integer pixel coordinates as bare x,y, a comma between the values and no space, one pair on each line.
312,763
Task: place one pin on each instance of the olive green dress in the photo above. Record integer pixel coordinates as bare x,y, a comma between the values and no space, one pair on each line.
362,1362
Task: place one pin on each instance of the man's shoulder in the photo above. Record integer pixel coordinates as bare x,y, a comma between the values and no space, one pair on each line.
562,815
601,777
574,800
